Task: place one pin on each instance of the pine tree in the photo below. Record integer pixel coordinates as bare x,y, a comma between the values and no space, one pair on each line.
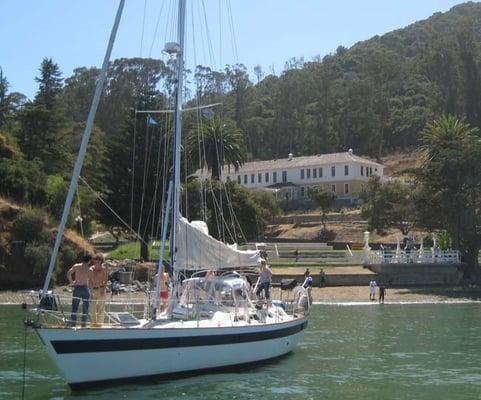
42,122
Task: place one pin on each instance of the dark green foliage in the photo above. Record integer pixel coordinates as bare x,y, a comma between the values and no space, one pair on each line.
222,201
220,143
449,195
323,199
37,257
388,205
22,181
4,101
29,226
42,121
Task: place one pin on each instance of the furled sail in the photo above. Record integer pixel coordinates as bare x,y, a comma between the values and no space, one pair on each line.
196,249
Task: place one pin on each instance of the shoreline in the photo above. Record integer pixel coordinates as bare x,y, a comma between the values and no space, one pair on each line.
333,295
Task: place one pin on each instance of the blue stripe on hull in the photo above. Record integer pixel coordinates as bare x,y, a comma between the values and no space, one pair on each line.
107,345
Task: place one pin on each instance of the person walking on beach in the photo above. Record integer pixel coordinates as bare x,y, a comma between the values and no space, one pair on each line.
372,289
382,292
79,276
98,283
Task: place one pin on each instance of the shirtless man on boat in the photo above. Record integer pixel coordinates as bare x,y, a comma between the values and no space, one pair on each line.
79,276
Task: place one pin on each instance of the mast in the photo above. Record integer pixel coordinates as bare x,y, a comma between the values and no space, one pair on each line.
178,135
83,148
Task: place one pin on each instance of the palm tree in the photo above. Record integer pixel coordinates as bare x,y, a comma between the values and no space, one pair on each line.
216,143
447,132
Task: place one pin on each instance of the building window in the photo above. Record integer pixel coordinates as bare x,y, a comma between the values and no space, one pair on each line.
302,174
253,178
367,171
284,176
375,169
302,191
346,188
314,173
238,179
320,172
308,173
333,171
245,179
362,170
274,177
333,188
346,170
370,171
259,178
267,177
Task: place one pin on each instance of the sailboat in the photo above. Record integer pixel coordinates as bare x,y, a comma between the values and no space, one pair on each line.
211,320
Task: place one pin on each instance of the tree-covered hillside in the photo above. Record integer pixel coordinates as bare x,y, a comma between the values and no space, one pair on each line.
375,97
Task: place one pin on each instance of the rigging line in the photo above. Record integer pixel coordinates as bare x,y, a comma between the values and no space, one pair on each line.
201,34
218,166
165,172
232,29
24,359
222,219
157,178
220,35
193,36
169,21
156,27
168,111
147,152
133,174
80,214
167,163
111,209
143,29
209,41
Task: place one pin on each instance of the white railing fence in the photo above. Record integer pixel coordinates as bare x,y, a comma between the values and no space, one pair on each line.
414,256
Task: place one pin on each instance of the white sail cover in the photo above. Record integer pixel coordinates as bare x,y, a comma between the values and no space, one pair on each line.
196,249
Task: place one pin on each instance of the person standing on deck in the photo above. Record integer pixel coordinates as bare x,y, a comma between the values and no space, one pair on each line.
82,274
265,279
98,284
164,288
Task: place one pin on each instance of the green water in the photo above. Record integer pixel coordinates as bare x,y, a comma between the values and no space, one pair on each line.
356,352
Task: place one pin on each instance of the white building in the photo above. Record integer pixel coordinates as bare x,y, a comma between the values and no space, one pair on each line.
342,173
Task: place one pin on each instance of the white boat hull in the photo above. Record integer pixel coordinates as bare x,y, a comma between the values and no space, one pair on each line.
87,357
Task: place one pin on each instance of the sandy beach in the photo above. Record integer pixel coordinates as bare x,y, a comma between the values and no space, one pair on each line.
335,295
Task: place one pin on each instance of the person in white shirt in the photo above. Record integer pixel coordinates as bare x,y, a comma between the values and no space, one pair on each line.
372,289
265,279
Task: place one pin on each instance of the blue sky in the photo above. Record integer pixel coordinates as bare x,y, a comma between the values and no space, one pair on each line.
266,32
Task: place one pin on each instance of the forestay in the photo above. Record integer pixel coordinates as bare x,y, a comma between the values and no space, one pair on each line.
196,249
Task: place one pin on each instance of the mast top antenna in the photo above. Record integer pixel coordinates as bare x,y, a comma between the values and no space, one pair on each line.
172,48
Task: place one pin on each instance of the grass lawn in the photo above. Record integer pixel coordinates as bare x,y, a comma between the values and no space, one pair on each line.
132,251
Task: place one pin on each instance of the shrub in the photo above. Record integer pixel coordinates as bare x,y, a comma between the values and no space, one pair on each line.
29,226
326,235
37,256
